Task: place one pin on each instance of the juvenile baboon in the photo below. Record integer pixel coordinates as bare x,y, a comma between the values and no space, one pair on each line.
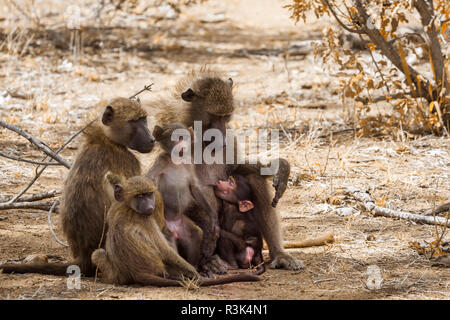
207,96
85,201
181,190
136,251
240,243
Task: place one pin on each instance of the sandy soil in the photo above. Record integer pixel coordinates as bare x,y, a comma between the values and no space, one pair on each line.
409,173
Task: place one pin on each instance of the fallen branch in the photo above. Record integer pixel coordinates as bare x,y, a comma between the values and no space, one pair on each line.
370,206
38,143
18,95
48,151
38,174
45,206
37,196
442,208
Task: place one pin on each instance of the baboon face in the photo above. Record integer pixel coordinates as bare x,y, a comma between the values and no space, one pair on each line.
212,102
137,194
127,124
164,137
141,139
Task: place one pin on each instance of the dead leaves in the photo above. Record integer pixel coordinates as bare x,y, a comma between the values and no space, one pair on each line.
434,249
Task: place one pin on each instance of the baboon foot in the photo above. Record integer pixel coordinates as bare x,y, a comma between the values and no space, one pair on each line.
286,261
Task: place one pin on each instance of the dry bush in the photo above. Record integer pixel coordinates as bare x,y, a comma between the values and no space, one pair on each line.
419,98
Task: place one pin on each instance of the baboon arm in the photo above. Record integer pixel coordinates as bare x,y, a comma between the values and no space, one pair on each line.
280,178
200,199
155,170
173,260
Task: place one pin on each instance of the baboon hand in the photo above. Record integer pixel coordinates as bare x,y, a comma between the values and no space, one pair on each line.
280,180
285,261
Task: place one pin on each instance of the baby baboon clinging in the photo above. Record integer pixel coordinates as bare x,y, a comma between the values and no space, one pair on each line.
240,243
180,190
207,96
136,251
85,201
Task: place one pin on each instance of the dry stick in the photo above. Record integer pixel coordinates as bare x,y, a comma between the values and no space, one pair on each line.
30,161
38,174
368,203
101,240
37,196
50,224
146,88
442,208
26,205
39,144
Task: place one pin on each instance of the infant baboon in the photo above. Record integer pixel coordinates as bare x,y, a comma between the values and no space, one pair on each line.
240,243
85,201
136,250
181,190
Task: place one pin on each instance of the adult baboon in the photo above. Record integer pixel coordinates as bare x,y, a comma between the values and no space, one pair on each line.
85,201
207,96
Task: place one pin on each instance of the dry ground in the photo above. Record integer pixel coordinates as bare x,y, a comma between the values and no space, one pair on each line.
295,94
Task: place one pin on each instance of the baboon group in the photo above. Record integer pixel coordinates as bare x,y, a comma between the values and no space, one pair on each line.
174,221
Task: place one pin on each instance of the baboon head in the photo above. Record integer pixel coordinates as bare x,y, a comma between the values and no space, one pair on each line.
164,136
137,193
211,101
235,190
126,123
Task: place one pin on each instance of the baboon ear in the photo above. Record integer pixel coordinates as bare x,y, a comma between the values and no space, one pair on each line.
157,132
245,205
188,95
112,178
138,101
118,192
230,82
108,116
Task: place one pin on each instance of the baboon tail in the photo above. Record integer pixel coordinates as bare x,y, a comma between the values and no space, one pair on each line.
57,269
244,277
156,281
163,282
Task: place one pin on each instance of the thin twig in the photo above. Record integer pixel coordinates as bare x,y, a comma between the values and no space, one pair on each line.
343,25
442,208
100,243
39,144
30,161
38,173
323,280
146,88
50,224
